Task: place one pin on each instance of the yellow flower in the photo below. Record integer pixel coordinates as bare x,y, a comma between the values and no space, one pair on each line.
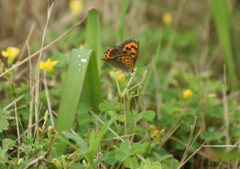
167,19
187,94
48,65
11,52
120,76
57,163
76,7
155,133
157,136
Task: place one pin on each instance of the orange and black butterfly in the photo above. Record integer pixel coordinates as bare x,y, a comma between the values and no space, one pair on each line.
124,56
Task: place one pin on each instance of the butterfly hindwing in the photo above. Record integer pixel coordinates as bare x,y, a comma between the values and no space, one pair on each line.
128,61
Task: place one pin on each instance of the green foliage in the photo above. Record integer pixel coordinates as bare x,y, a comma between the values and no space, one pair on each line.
144,123
4,117
222,16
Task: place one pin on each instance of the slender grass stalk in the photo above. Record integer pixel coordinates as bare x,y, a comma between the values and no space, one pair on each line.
31,104
222,16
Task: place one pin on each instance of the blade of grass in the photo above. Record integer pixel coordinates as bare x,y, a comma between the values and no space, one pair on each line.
93,40
125,5
222,17
92,85
78,66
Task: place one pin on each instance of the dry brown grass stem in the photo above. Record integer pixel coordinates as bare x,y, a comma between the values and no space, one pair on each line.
190,143
26,44
31,89
37,83
48,98
18,130
226,113
13,102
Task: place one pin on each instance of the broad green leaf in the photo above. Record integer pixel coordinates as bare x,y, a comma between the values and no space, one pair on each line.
4,125
8,143
170,164
109,157
112,113
119,106
121,118
210,136
147,115
131,162
136,148
120,155
83,147
123,152
132,118
78,66
156,165
103,107
84,118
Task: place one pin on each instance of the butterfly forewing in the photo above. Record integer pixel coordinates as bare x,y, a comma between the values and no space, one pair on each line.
130,46
111,52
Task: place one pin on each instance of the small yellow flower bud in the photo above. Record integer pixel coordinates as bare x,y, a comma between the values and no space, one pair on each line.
120,76
187,94
155,133
76,7
167,19
57,163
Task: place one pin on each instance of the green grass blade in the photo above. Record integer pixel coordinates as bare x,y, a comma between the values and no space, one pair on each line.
77,69
93,40
125,5
222,17
92,85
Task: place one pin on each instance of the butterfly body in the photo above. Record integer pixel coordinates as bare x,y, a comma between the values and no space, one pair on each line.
123,57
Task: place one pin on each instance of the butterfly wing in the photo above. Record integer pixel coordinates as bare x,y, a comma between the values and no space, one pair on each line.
113,51
124,63
131,46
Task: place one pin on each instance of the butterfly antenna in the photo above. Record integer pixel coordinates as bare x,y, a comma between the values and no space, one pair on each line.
139,74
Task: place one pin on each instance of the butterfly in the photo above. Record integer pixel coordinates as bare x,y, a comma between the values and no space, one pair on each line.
124,56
